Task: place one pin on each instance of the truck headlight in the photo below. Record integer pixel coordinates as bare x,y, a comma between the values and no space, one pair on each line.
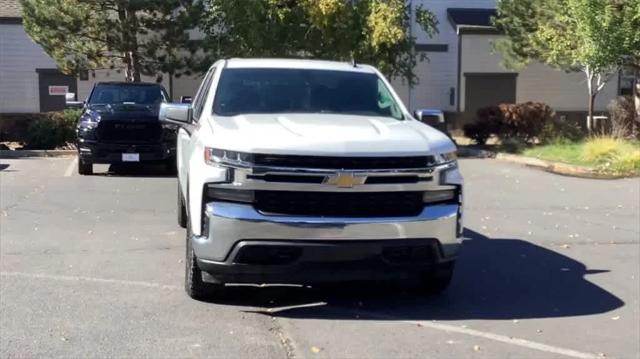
216,156
444,158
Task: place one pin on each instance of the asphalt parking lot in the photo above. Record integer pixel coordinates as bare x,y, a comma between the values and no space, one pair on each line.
93,267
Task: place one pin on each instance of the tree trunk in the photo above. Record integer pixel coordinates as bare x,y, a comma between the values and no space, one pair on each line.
636,92
590,121
171,85
129,26
636,98
589,74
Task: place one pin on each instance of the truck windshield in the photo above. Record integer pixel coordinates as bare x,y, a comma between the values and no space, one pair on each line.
129,94
275,90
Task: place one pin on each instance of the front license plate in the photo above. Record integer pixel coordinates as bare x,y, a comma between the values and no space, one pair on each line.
130,157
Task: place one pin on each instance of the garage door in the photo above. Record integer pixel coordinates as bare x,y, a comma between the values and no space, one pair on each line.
483,90
52,87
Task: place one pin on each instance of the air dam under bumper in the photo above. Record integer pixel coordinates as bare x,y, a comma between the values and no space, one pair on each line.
244,245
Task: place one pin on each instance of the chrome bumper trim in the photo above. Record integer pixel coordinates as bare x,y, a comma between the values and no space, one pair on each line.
229,223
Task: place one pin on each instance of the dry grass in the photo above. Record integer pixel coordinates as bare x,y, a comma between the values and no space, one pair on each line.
608,155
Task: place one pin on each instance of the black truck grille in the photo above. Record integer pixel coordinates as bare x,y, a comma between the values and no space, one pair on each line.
115,131
323,162
338,204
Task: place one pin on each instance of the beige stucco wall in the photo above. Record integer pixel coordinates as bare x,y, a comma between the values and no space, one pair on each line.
560,90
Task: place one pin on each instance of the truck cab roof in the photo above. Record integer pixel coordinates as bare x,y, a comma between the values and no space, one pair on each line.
235,63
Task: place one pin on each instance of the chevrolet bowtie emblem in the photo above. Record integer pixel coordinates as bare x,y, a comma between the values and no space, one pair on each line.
345,179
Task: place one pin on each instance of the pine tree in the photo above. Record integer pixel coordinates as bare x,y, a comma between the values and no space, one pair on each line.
144,37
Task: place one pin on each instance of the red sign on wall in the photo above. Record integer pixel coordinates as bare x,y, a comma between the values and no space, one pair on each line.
58,90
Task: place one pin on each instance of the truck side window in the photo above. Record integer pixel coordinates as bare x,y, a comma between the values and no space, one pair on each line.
201,96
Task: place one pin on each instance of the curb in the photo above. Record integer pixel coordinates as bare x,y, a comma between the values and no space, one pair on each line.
557,167
36,153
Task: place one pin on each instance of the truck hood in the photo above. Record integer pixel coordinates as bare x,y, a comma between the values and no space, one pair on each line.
123,112
327,135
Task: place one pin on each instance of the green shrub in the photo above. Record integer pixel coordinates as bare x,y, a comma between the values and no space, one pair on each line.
524,122
487,123
57,129
624,122
477,132
560,131
512,145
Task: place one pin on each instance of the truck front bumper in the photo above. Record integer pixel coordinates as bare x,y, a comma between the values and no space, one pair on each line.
99,152
243,245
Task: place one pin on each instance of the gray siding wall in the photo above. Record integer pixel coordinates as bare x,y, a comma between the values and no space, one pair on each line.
19,58
561,90
438,75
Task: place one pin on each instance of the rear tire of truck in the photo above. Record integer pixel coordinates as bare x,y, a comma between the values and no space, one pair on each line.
182,209
195,287
85,167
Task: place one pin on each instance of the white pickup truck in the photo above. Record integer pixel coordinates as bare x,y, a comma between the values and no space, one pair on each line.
301,171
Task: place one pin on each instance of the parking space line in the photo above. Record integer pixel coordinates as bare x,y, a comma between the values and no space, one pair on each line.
89,279
427,324
491,336
71,167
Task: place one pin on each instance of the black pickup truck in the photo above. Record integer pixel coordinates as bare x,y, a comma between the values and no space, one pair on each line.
119,123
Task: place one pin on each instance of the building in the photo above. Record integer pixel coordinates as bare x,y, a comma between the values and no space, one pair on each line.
30,81
463,72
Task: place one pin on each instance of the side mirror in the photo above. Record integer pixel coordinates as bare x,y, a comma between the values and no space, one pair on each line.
185,99
417,114
175,112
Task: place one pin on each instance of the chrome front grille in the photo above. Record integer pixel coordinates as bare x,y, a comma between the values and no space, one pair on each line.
343,163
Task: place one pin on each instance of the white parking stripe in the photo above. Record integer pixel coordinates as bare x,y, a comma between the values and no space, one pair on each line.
491,336
427,324
71,167
89,279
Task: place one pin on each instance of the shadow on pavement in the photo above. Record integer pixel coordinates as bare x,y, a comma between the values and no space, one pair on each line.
494,279
3,166
137,170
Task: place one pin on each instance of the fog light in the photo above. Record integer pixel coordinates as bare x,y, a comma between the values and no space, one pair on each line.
231,195
438,196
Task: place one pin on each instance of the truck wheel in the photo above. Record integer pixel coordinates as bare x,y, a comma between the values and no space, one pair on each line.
170,166
85,167
438,280
195,287
182,209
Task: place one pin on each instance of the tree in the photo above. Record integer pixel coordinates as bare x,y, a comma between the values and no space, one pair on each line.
592,36
366,31
145,37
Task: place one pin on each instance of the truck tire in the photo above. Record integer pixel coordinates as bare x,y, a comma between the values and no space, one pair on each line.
182,209
195,287
170,166
85,167
438,280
